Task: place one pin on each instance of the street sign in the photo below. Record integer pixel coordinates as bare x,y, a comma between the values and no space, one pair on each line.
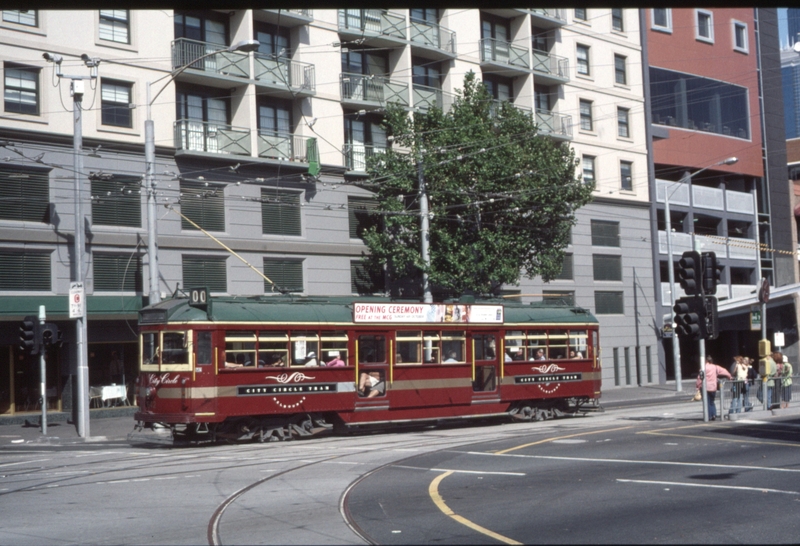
763,292
76,300
755,318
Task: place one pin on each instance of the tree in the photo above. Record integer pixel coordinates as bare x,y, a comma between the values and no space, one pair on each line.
502,200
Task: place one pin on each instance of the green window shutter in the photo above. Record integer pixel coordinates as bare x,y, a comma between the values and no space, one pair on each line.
363,281
204,205
567,273
608,303
205,271
607,268
280,212
286,274
117,272
20,271
359,215
117,202
25,195
605,233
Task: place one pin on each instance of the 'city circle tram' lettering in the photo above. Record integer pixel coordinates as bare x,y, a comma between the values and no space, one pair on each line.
264,390
552,378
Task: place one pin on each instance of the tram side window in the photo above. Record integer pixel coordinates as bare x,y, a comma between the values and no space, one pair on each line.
151,348
203,348
333,345
305,349
557,342
174,350
537,345
432,347
453,347
515,345
371,349
273,349
485,347
578,344
240,349
409,347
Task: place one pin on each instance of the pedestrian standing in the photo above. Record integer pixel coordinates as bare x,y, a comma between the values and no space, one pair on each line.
786,383
739,373
712,373
752,375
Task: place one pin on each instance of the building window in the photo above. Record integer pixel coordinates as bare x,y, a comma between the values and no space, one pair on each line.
359,215
580,14
605,233
620,75
586,115
608,303
27,17
617,22
280,212
21,89
626,175
740,37
559,297
661,19
115,104
205,271
567,271
117,272
25,195
201,119
115,25
582,53
623,122
116,201
588,169
24,271
275,125
203,204
286,274
363,281
704,30
606,267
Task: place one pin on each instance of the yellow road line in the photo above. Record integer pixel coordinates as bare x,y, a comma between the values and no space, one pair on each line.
560,438
433,491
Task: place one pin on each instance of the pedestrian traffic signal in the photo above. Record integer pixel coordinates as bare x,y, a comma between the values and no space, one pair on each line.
690,317
711,273
689,272
30,335
712,318
50,335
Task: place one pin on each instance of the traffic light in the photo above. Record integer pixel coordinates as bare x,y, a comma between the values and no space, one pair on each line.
711,273
29,335
690,317
689,272
712,320
50,335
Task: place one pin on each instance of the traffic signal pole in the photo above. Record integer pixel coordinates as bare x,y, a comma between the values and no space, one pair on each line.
43,372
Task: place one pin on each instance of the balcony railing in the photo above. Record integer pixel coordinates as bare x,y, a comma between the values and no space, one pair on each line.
553,124
500,51
552,65
203,136
559,14
282,146
377,89
734,248
372,20
431,34
705,198
284,72
427,97
355,155
226,63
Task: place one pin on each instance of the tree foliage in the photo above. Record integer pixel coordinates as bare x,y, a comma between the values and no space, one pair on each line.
502,200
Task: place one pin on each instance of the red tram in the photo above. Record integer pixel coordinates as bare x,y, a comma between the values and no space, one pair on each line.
269,368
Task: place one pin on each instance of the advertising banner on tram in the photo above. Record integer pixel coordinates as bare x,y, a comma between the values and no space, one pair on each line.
427,313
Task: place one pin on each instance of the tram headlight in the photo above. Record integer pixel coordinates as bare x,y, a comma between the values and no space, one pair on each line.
150,393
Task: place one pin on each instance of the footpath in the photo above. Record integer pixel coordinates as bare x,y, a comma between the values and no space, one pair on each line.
114,424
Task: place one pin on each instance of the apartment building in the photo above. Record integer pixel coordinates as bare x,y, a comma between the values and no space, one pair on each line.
258,147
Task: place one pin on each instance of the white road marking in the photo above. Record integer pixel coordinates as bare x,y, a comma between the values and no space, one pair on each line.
24,462
458,471
713,486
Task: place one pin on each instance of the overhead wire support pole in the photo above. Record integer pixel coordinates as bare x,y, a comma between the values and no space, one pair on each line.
424,229
676,350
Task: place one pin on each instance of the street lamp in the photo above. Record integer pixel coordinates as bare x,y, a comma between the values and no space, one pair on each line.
150,161
676,355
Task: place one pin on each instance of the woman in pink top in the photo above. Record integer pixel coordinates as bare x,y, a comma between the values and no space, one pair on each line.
712,373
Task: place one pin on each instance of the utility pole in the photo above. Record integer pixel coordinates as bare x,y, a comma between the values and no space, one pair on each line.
43,371
424,229
676,350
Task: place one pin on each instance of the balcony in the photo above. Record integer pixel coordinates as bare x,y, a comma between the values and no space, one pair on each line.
554,125
501,57
374,25
282,146
433,37
211,137
287,18
548,17
296,78
377,91
550,69
427,97
225,63
356,154
705,198
734,248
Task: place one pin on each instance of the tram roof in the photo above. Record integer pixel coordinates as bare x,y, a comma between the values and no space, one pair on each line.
337,310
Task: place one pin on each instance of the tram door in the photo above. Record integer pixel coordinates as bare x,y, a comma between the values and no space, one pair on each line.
485,362
373,366
203,398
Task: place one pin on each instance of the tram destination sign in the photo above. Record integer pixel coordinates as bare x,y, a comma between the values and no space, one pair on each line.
428,313
305,388
549,378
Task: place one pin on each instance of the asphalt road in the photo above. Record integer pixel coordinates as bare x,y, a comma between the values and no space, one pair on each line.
656,474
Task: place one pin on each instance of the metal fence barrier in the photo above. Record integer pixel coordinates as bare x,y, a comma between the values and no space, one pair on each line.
742,396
